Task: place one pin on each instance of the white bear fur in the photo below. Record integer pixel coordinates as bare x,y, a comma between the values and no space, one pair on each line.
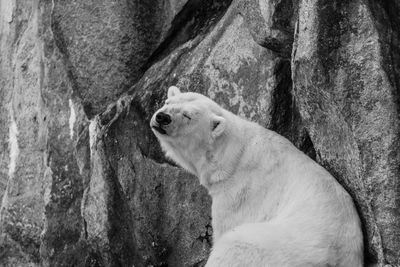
271,204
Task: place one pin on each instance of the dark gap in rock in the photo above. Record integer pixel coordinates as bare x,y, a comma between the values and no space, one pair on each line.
286,119
276,46
195,19
369,259
284,11
283,21
307,146
88,109
331,26
107,116
282,100
300,135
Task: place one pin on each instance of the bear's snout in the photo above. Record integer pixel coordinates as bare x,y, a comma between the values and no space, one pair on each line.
163,118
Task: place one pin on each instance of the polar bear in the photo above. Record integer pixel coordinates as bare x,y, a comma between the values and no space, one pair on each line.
271,204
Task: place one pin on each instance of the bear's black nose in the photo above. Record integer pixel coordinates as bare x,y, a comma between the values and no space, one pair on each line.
163,118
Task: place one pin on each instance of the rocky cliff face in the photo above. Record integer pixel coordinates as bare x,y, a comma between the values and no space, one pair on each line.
82,179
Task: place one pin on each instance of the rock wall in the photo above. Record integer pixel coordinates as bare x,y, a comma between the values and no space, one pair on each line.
82,179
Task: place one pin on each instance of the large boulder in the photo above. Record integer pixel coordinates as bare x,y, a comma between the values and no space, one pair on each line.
346,75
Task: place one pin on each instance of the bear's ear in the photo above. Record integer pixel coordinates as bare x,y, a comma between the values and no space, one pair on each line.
172,91
218,124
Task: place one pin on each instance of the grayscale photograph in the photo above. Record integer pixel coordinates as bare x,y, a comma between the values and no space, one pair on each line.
199,133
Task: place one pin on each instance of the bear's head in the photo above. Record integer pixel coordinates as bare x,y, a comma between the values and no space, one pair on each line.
188,127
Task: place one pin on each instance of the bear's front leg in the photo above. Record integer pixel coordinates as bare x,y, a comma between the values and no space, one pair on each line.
233,250
269,245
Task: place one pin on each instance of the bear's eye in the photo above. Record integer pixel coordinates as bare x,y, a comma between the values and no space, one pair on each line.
215,125
186,116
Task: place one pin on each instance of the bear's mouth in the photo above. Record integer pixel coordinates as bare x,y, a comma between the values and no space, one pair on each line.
159,129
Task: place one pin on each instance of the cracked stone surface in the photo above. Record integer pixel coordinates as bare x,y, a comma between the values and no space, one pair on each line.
83,181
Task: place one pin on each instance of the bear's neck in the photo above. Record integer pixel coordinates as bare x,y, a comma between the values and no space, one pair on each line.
223,162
